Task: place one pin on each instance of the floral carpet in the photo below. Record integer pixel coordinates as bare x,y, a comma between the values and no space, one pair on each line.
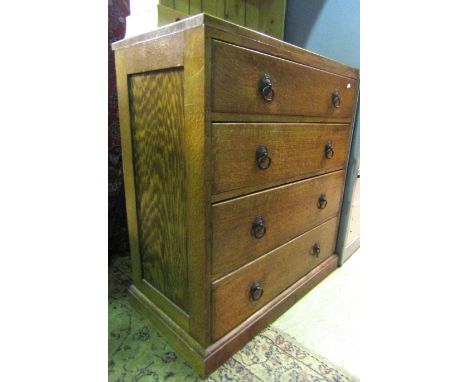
138,353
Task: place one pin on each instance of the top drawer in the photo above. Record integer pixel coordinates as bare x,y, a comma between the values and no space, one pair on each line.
292,89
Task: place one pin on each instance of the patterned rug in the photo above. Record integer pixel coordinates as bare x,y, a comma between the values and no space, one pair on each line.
138,353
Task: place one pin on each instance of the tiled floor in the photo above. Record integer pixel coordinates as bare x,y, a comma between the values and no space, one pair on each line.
326,319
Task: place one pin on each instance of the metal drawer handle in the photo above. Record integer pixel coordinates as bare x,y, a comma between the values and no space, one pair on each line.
336,99
256,291
329,152
258,227
322,202
266,88
262,158
316,250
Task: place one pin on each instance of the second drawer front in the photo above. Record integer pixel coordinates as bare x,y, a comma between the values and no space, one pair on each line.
247,227
243,292
254,154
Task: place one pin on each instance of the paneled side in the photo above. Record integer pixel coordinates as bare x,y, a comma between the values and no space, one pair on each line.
156,103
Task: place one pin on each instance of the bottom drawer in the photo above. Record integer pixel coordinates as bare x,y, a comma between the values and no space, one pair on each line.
242,292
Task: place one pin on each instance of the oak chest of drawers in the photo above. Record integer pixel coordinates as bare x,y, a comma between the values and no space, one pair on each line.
235,146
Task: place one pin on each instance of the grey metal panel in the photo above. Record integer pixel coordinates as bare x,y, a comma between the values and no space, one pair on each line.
352,172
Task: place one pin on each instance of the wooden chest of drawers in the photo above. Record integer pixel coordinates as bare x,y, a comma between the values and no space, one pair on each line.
235,146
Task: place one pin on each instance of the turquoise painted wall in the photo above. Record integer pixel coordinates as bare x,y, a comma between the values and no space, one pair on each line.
326,27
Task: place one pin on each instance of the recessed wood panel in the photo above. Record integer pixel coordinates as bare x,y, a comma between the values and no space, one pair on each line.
156,103
232,302
295,150
287,211
299,89
235,11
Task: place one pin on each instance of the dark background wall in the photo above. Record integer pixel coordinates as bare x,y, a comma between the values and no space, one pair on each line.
117,229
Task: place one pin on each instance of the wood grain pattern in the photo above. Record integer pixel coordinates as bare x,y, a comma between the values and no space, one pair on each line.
127,164
235,11
252,14
275,271
164,52
247,38
226,346
288,211
269,21
179,339
183,236
176,314
220,8
195,6
299,89
275,118
156,101
266,16
197,158
296,150
167,15
167,3
209,6
206,360
182,6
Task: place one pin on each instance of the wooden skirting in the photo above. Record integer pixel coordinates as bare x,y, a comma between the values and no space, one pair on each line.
207,360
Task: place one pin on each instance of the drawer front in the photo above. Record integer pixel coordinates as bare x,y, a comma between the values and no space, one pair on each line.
237,296
250,155
240,87
247,227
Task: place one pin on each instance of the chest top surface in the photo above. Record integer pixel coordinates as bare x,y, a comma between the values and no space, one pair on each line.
213,23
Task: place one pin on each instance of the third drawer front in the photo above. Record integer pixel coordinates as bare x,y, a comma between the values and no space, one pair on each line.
252,155
247,227
240,294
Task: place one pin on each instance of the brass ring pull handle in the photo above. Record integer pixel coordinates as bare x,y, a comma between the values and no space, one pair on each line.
258,227
266,88
336,99
256,291
329,152
316,250
262,158
322,202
